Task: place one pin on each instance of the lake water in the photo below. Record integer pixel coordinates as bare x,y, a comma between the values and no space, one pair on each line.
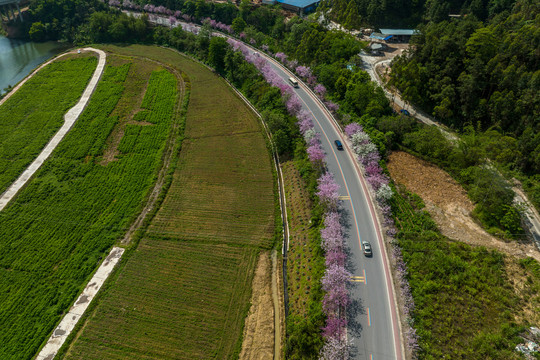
18,58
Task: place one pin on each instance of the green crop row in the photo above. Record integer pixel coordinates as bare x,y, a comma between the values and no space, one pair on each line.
55,233
36,111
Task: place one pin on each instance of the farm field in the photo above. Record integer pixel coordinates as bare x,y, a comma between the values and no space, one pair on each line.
184,293
30,118
55,232
302,258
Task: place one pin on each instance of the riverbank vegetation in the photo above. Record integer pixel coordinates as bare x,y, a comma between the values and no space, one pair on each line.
60,226
32,115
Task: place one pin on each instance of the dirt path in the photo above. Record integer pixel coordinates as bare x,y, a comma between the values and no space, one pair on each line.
259,332
62,331
69,120
277,306
449,205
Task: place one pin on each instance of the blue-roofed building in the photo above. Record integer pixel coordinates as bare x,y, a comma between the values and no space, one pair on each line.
379,36
299,6
398,35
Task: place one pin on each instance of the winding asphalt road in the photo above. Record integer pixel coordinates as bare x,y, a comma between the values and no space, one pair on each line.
373,321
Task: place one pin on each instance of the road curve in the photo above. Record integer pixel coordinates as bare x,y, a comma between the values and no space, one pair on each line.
69,119
373,319
374,328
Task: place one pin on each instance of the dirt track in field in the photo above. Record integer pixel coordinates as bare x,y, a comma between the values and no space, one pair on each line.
259,336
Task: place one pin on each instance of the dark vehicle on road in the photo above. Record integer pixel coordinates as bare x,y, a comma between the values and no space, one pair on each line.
366,247
405,112
339,145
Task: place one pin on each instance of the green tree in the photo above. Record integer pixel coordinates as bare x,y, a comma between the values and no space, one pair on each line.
37,31
239,25
216,53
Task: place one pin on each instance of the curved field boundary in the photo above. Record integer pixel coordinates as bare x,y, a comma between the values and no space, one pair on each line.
77,310
69,119
62,331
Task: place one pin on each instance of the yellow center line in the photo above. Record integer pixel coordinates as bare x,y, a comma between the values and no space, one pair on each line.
365,278
344,197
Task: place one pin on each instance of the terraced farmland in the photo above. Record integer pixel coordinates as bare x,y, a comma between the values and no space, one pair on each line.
30,118
55,232
184,293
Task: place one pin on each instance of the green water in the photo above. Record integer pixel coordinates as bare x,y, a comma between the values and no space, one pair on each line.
18,58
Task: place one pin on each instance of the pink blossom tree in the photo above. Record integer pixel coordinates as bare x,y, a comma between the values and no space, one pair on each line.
320,90
332,234
315,154
281,57
303,71
353,128
304,121
328,190
333,107
293,105
335,349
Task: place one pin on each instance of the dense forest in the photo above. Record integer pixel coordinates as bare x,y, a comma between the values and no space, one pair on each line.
394,13
487,75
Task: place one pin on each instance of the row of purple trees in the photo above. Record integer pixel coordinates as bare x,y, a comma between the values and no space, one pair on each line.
336,277
369,157
307,75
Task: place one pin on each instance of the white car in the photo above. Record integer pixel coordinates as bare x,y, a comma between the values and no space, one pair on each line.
366,246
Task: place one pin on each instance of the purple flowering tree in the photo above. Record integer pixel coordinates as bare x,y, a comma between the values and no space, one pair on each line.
332,234
293,105
303,71
353,128
315,154
281,57
328,190
320,90
333,107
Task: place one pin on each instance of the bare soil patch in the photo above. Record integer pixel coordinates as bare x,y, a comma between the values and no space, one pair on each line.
448,204
524,287
258,341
